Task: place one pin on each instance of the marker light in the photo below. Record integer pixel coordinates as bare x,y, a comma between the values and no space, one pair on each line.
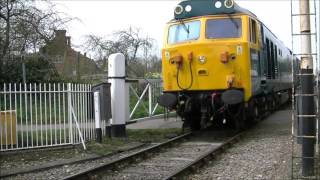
178,9
218,4
228,3
188,8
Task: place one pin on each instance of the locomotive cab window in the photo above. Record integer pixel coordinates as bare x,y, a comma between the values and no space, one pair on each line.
223,28
185,31
253,31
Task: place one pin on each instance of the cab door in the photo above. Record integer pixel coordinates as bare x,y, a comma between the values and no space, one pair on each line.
255,55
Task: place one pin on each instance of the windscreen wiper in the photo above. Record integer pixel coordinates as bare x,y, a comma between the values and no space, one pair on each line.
233,21
184,26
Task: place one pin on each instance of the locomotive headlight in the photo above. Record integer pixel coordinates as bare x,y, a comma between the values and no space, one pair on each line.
188,8
217,4
202,59
178,9
228,3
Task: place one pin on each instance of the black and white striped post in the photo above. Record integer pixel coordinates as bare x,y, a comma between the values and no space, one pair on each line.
97,116
307,104
116,76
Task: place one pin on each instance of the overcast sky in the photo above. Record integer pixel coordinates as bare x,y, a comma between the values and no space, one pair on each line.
104,17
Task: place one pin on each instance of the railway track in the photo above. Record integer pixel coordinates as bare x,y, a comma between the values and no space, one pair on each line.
170,160
63,169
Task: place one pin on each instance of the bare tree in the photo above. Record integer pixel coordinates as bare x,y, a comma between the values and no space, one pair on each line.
100,47
25,27
131,42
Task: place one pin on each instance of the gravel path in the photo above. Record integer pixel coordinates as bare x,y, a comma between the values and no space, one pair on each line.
264,153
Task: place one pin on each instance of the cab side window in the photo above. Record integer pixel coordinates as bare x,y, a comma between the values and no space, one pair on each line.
253,31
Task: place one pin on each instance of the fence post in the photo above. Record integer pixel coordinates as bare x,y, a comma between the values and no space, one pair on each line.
97,116
70,113
150,99
127,101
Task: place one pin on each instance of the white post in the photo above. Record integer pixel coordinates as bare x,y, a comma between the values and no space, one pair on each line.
150,99
116,76
97,117
70,114
306,59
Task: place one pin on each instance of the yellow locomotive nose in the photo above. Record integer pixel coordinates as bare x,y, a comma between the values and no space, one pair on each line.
205,64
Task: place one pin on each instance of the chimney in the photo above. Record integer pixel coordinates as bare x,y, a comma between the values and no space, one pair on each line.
69,41
60,33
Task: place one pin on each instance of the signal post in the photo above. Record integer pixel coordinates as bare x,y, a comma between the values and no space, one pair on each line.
307,106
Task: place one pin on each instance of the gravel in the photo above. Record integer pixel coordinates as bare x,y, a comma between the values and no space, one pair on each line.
264,153
40,158
161,164
67,170
28,163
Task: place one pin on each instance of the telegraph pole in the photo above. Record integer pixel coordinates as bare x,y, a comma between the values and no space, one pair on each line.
307,108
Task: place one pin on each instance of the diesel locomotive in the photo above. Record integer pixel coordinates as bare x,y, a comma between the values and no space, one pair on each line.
222,65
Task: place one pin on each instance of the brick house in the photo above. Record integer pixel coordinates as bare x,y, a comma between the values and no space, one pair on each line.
67,61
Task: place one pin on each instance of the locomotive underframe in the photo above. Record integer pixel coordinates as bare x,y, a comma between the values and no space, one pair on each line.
199,109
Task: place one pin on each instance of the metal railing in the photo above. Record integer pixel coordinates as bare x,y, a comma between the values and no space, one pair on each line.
143,99
45,115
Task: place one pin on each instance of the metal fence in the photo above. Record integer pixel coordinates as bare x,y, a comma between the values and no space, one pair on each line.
43,115
143,99
46,115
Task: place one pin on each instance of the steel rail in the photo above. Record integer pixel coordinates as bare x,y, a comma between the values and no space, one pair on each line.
92,172
60,164
203,159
